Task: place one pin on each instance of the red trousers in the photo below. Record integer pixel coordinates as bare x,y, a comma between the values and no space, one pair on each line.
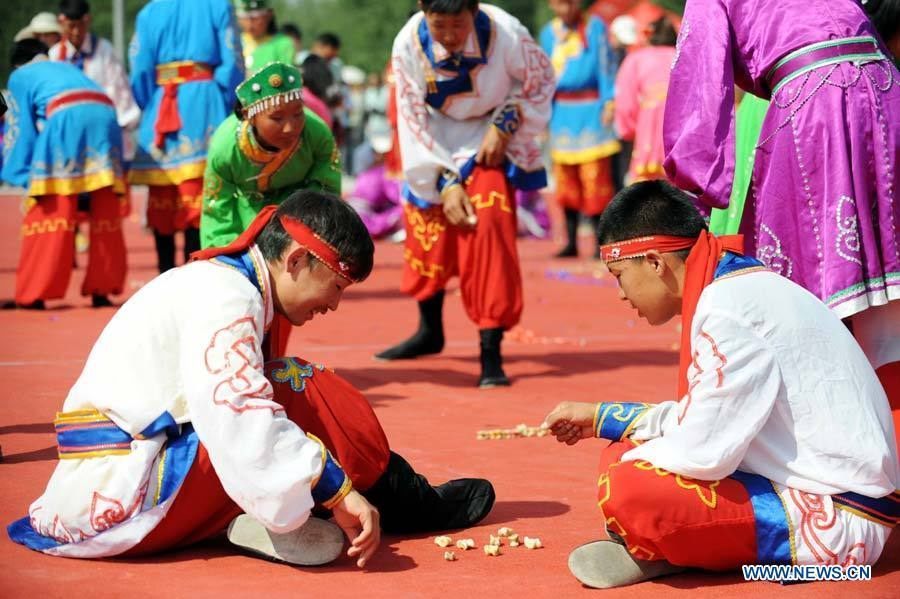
48,247
586,188
173,208
660,515
321,403
485,258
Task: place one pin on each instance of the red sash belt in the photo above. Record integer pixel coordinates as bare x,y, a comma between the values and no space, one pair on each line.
79,96
170,75
582,94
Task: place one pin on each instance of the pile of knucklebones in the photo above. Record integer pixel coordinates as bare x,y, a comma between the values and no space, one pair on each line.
505,535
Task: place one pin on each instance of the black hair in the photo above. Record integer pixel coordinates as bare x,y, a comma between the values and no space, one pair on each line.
650,208
74,9
272,29
662,32
449,7
329,39
885,16
290,29
330,218
317,76
25,50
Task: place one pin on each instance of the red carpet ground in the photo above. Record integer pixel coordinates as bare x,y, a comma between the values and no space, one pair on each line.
577,342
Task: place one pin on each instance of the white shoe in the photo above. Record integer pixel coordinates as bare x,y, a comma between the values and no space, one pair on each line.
316,543
607,564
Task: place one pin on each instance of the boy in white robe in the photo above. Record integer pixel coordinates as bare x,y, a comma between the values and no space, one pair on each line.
780,448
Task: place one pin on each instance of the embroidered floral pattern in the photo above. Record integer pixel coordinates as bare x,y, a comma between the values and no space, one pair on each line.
772,256
847,242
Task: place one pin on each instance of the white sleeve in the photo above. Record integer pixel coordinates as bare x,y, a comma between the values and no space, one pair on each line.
266,464
535,79
734,381
118,88
422,155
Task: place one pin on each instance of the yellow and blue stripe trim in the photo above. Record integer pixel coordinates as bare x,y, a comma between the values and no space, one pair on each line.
774,537
883,510
616,420
333,484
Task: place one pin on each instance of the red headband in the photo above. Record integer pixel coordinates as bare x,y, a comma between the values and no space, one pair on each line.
299,232
317,246
639,246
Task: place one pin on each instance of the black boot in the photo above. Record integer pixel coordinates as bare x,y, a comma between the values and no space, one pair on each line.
595,227
165,251
429,339
408,504
99,300
191,242
492,374
571,248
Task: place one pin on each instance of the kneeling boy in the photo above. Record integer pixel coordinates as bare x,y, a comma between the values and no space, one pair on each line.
780,449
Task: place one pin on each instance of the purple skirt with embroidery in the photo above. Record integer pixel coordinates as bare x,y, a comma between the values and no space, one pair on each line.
822,206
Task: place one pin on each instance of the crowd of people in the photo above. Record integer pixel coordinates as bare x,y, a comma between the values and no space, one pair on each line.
669,129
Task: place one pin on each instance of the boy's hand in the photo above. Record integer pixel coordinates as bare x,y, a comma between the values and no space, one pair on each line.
360,522
570,422
493,148
458,207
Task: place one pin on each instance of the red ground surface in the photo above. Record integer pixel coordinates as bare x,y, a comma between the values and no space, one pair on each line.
577,342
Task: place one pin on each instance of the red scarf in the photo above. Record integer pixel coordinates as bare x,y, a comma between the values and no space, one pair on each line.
700,269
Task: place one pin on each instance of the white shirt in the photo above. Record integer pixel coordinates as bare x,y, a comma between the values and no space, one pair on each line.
517,72
188,343
103,67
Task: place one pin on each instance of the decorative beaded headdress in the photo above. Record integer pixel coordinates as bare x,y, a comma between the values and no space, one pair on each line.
274,84
245,8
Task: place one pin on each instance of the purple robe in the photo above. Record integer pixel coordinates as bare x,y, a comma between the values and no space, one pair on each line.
821,208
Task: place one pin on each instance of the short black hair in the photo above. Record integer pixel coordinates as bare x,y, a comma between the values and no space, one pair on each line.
449,7
662,32
330,218
74,9
329,39
25,50
317,76
650,208
290,29
885,16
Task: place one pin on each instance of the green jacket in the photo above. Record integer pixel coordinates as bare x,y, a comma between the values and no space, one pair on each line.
241,177
278,48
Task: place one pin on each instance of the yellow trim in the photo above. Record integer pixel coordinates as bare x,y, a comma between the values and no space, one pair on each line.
596,418
173,176
345,489
80,416
92,454
630,428
790,523
604,150
324,452
160,471
75,185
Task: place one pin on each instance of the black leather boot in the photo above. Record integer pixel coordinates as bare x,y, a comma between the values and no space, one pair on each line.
428,339
571,248
191,242
492,374
165,251
407,503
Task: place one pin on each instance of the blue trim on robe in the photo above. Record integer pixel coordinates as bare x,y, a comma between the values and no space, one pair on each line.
883,509
461,65
517,176
614,419
773,533
164,423
330,482
243,263
179,455
732,262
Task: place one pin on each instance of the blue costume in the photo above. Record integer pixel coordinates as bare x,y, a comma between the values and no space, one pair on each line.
190,49
586,72
62,139
79,145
